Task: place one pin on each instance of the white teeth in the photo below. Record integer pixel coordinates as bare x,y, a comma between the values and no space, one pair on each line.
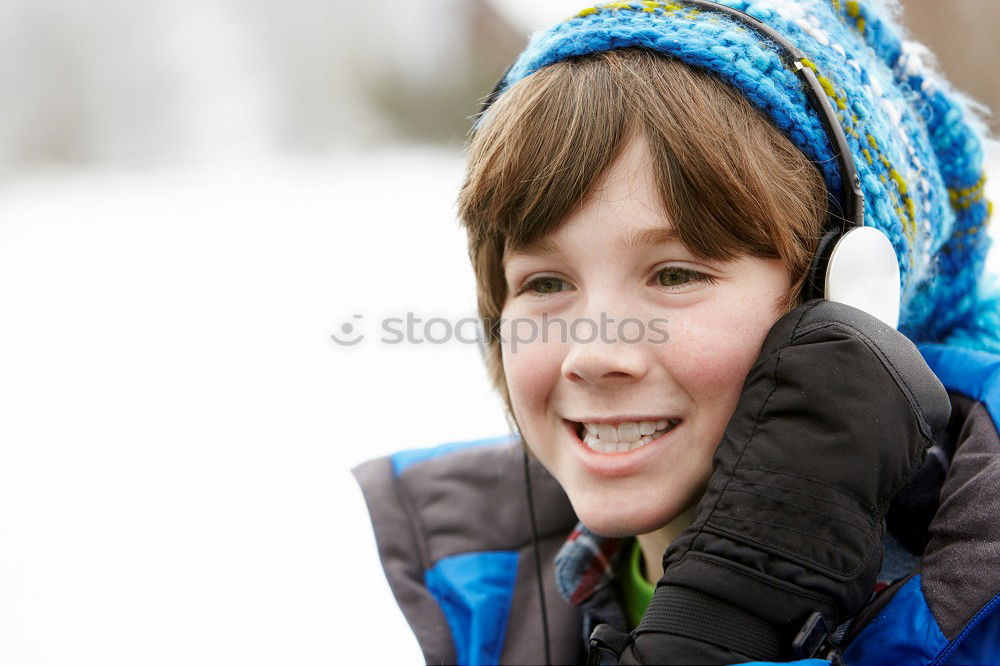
606,431
599,446
604,438
628,432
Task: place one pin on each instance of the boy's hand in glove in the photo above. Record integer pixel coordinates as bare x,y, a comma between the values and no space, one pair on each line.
835,417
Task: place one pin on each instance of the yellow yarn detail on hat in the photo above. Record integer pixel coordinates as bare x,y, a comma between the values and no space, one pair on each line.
648,6
827,85
962,198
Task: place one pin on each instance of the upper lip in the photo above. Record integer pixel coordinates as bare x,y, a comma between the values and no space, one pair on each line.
618,420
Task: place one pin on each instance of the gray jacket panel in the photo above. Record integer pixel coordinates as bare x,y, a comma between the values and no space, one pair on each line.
467,501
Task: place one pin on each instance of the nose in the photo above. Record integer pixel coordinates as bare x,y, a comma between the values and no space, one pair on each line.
605,354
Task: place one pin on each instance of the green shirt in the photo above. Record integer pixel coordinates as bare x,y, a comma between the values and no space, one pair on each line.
636,590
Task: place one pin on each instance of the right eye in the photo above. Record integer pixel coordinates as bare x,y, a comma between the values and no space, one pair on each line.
543,285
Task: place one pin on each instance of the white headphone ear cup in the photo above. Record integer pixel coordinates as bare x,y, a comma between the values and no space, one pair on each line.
863,272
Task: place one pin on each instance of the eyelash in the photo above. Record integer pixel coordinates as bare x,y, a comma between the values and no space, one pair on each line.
696,277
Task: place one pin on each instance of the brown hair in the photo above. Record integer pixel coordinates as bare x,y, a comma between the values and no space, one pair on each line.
731,183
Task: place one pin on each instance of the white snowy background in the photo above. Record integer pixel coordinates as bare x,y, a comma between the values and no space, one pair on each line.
176,425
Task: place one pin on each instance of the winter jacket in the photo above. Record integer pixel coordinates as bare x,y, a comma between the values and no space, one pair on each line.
452,529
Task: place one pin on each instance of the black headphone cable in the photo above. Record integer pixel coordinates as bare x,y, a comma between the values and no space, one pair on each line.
538,555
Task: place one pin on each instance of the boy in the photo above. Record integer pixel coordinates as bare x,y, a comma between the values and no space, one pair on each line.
660,161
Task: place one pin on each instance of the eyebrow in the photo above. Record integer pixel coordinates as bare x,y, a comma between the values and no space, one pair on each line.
644,238
648,237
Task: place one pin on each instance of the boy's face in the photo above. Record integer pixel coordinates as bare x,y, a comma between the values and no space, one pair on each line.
698,339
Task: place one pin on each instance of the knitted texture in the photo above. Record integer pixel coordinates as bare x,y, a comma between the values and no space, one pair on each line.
917,143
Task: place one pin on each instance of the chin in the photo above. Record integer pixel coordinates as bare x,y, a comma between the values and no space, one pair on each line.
608,520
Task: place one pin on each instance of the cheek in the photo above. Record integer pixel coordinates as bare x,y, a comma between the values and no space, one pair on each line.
712,355
531,371
532,374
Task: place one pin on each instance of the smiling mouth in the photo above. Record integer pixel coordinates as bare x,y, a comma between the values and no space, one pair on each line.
625,438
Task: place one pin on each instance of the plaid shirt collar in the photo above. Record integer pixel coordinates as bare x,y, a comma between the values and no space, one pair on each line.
585,569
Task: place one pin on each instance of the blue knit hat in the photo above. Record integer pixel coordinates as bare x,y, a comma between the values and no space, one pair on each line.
917,145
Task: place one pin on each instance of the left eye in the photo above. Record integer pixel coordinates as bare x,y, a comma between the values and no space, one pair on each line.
669,276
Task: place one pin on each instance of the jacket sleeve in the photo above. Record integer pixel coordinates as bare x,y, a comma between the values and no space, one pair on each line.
401,548
452,533
948,610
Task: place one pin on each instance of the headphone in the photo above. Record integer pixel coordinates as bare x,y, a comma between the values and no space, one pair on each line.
853,264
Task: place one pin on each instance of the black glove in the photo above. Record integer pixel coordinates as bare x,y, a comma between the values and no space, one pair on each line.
835,417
